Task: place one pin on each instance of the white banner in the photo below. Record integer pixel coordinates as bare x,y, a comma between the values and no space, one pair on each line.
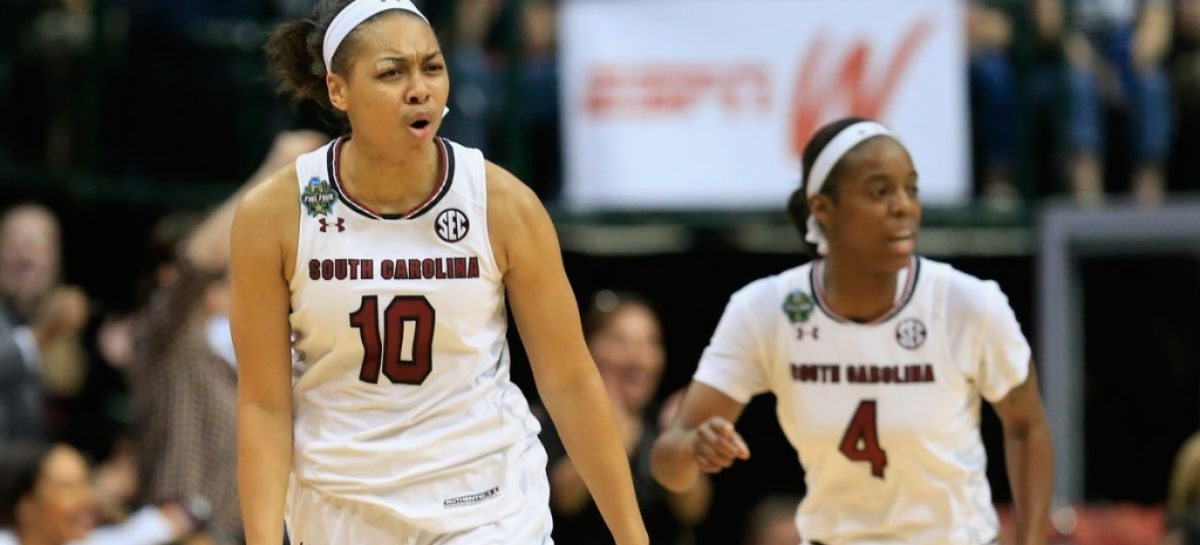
708,104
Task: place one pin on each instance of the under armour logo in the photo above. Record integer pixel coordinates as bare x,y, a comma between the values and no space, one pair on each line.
815,333
340,224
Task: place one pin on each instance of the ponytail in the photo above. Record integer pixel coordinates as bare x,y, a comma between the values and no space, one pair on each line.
294,59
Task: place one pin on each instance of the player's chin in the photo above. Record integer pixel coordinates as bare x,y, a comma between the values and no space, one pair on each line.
897,254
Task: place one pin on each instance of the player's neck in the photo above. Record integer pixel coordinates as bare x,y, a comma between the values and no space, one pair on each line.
389,181
856,291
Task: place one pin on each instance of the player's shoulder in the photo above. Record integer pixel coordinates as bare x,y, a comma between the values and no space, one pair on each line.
279,193
274,201
795,278
507,193
517,220
770,289
964,292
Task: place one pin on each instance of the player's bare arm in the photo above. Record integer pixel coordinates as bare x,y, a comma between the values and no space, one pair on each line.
692,505
702,438
544,308
1029,456
263,245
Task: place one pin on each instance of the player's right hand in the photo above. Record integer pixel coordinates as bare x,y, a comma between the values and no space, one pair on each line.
715,445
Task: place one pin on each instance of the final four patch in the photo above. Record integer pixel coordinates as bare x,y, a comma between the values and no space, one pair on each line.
798,306
317,197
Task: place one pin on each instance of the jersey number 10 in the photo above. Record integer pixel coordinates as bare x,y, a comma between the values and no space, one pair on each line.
863,430
405,314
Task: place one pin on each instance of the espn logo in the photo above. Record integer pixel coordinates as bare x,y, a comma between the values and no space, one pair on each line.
854,76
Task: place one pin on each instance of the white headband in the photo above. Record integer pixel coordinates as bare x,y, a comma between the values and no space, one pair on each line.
840,145
353,15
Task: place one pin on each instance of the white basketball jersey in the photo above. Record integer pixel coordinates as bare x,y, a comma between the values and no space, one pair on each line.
402,396
884,415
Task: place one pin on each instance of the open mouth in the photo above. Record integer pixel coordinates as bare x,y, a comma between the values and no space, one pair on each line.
419,124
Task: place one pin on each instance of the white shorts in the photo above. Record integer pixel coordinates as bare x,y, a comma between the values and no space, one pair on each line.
314,518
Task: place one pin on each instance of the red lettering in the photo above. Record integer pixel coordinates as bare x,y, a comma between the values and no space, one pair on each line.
848,90
672,89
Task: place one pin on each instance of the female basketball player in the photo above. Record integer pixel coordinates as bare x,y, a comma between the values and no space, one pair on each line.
384,260
878,360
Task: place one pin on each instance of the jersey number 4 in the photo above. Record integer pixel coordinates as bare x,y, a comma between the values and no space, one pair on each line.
405,352
861,441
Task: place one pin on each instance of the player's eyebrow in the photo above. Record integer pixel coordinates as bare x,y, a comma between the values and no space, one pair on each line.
405,61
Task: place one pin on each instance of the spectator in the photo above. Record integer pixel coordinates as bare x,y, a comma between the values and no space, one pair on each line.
625,340
537,100
473,75
45,499
1185,76
993,90
505,94
39,321
1183,501
55,61
183,379
1115,51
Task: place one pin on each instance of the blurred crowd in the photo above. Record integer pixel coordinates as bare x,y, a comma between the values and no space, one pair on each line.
92,85
121,417
166,469
1086,97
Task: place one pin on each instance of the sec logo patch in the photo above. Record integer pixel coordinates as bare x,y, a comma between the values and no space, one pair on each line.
452,225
